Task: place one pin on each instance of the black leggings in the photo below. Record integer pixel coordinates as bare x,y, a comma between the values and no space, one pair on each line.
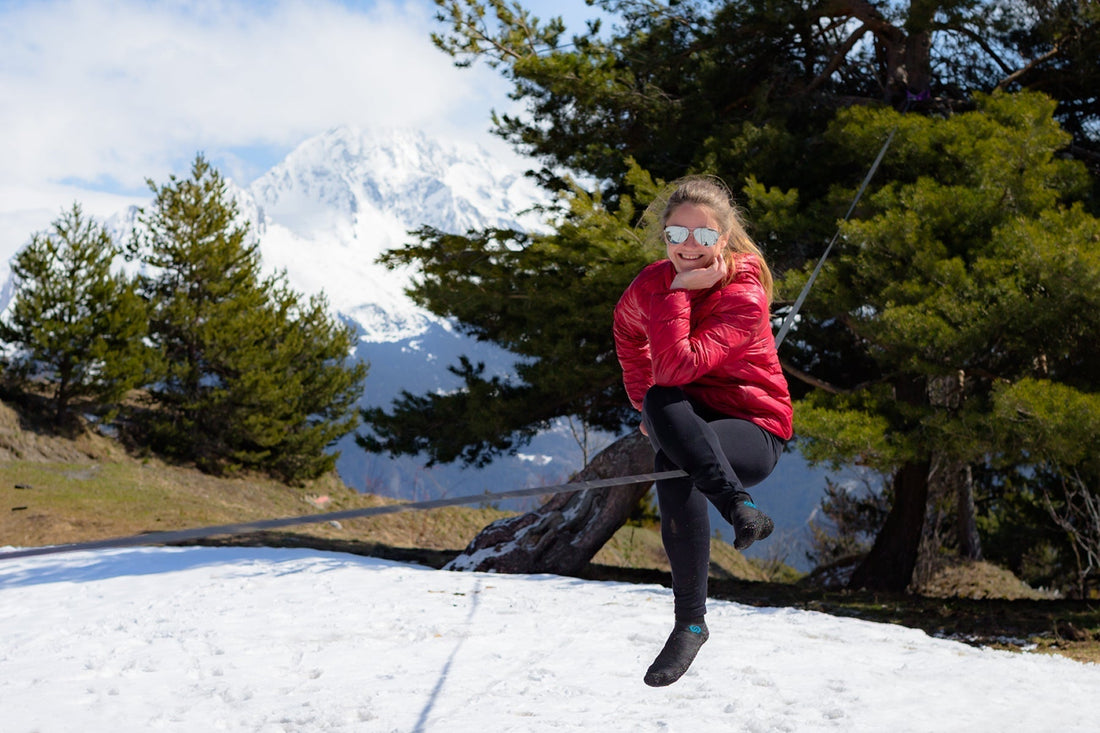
721,455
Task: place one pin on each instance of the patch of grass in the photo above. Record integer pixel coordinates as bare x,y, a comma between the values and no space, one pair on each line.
58,503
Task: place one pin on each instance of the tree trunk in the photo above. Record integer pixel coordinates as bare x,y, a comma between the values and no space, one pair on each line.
904,54
918,44
970,544
564,534
890,564
893,557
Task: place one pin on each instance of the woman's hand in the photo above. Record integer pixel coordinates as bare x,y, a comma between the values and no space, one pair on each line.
702,278
642,428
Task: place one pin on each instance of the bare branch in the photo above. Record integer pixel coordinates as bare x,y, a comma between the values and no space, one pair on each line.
810,379
1079,519
1030,65
980,41
838,58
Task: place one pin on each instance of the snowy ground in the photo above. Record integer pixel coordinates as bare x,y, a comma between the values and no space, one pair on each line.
243,639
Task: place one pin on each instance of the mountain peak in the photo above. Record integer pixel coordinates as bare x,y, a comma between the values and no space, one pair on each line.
342,198
420,180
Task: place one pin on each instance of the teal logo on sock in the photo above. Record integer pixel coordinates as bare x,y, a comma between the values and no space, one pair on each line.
695,629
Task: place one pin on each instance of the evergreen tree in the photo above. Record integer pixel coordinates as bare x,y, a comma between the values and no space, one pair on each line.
973,268
548,299
319,388
251,377
207,316
77,325
746,89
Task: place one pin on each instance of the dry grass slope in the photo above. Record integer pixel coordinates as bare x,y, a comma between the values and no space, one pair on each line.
57,490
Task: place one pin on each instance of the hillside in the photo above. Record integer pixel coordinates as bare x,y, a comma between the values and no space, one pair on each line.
57,490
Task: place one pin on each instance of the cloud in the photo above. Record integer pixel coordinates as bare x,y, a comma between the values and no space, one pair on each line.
102,94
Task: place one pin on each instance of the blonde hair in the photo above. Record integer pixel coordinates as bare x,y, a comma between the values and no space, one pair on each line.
712,193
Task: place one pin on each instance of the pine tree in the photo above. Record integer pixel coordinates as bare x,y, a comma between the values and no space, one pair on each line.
206,305
972,271
747,90
548,299
251,378
78,326
318,389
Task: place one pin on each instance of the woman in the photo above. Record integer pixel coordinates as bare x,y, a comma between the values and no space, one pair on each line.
694,339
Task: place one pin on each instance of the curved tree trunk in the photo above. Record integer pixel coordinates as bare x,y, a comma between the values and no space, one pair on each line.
564,534
893,557
890,564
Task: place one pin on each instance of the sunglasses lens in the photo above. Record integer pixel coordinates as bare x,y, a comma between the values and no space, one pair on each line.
703,235
676,235
706,237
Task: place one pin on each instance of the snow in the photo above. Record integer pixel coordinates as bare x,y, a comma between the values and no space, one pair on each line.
340,199
258,639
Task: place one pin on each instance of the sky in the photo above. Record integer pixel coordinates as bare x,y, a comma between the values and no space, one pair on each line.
98,96
278,640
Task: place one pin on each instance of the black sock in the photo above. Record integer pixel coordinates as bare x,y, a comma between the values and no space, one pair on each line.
749,523
678,654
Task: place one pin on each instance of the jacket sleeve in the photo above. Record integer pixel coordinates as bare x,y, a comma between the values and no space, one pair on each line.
681,353
632,348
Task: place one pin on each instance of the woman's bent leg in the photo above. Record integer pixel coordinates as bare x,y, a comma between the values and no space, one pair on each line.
721,456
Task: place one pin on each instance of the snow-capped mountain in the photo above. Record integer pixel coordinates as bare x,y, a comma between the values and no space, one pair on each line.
340,199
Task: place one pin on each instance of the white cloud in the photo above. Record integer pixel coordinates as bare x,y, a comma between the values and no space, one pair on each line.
112,92
96,96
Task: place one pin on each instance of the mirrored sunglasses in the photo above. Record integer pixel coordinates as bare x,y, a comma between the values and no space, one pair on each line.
703,235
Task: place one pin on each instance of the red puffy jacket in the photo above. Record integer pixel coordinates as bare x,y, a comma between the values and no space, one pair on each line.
717,344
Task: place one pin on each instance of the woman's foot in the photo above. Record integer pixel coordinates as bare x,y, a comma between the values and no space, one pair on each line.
749,523
678,654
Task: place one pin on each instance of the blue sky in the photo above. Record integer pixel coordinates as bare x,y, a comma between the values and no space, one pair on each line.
96,96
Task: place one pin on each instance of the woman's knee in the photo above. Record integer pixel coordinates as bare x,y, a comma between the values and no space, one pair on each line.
659,397
662,462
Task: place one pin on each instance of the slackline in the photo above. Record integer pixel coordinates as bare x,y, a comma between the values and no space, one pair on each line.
186,535
789,320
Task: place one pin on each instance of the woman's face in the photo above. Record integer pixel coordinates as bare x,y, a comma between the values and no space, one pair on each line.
691,254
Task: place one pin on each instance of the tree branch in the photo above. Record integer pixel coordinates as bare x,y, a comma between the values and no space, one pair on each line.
1030,65
981,43
838,58
810,379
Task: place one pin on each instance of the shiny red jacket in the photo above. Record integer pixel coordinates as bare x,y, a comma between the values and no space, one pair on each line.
716,344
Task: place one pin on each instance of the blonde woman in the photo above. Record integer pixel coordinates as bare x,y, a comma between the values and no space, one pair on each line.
694,340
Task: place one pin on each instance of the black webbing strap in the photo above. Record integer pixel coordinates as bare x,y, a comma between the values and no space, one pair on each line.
186,535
